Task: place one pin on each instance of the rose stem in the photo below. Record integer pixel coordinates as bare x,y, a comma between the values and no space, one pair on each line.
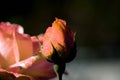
59,70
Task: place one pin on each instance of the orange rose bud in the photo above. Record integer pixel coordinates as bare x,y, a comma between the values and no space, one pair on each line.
59,43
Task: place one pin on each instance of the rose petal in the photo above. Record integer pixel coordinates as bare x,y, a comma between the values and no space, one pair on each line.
7,43
23,46
34,67
23,78
37,41
14,44
5,75
41,69
24,64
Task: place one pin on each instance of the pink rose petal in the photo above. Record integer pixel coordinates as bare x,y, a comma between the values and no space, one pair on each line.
5,75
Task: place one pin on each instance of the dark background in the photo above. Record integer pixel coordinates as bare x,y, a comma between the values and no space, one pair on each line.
96,22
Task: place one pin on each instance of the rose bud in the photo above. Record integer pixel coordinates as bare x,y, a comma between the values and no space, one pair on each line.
59,43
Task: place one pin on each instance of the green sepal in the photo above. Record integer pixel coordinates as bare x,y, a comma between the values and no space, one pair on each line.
57,59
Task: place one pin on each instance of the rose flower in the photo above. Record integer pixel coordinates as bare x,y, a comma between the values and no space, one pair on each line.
58,46
18,58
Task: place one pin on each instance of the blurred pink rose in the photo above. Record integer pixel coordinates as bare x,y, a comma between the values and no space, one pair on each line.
16,54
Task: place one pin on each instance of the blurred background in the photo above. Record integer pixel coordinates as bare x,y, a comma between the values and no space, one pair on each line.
96,23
